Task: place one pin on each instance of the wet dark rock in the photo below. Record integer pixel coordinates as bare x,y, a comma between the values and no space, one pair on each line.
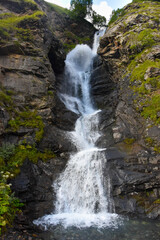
133,164
34,186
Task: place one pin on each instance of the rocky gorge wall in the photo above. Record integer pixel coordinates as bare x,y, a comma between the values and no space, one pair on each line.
34,40
125,85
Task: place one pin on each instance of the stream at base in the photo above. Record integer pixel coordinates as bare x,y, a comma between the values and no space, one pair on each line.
131,229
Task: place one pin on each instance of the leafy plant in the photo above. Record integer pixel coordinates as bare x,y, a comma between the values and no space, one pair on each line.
81,8
11,159
9,204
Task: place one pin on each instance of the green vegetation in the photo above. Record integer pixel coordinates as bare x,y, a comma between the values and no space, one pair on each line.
11,159
115,15
73,40
151,108
28,119
81,8
129,141
68,47
147,88
28,2
147,200
4,98
139,71
9,205
50,93
153,143
137,1
15,25
142,40
58,9
98,20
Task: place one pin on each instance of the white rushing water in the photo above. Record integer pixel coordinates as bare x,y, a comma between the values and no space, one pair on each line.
82,193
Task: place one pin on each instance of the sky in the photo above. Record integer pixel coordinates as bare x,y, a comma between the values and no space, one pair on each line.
102,7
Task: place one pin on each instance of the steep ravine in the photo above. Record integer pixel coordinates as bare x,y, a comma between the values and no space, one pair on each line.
31,70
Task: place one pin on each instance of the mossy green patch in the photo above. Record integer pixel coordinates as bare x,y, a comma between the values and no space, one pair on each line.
129,141
11,25
50,93
152,143
146,88
151,108
28,119
139,71
157,201
144,39
4,98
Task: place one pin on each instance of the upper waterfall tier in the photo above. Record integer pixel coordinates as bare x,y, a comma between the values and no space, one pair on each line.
76,89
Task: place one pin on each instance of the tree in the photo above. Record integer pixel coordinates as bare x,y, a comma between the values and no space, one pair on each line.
81,8
98,20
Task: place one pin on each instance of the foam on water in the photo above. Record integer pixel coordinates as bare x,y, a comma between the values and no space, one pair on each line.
99,220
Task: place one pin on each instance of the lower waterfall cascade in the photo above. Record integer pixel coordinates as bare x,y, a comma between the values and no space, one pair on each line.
83,196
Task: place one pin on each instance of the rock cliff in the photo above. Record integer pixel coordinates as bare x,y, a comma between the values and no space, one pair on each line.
125,85
34,39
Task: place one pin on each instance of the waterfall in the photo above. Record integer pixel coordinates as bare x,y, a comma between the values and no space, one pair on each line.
82,194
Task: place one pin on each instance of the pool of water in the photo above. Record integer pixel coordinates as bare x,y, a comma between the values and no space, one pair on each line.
128,229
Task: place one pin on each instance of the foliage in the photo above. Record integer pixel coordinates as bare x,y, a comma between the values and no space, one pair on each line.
11,158
98,20
28,119
81,8
116,14
9,205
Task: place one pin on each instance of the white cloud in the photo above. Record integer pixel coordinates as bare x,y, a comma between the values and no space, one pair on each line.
103,9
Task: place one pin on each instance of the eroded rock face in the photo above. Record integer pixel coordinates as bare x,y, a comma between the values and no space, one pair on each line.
132,141
31,70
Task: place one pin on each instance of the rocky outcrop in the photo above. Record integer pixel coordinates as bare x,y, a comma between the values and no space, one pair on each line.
122,86
34,39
